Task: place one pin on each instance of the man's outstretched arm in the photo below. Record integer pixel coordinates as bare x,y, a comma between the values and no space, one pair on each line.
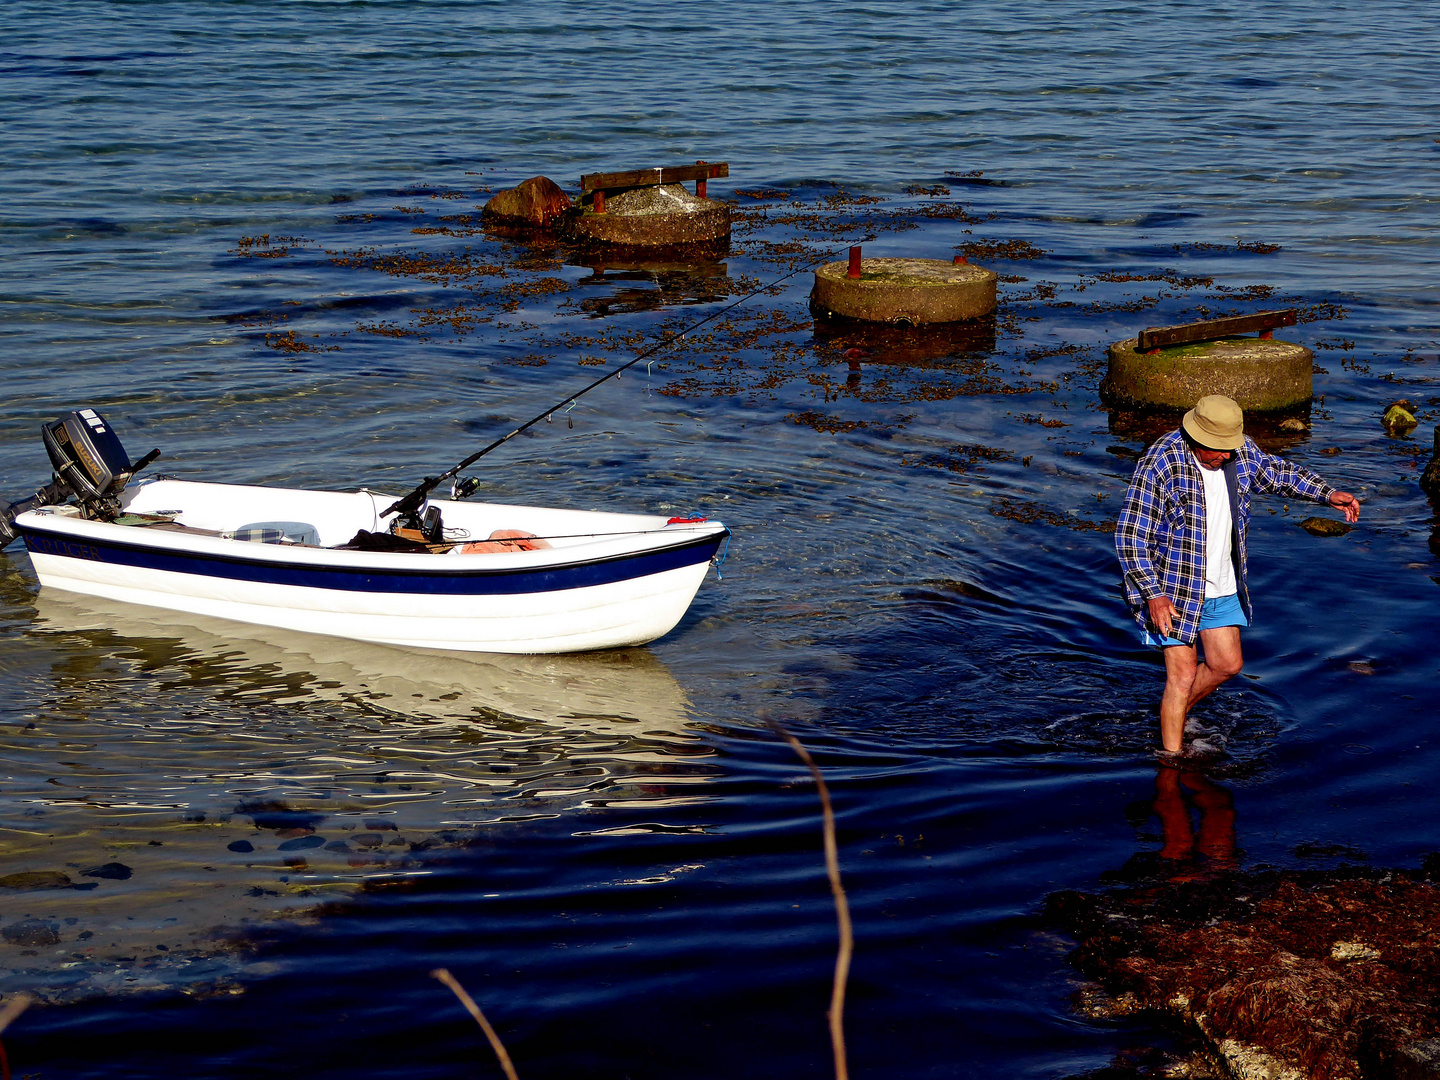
1283,477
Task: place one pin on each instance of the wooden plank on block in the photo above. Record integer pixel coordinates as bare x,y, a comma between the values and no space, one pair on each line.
1159,337
671,174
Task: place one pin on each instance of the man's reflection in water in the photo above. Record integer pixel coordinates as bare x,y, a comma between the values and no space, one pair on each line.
1177,792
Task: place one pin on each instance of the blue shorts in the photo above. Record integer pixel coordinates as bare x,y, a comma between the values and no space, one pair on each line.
1221,611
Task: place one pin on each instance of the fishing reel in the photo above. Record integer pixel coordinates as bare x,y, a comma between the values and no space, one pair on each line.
464,487
91,467
413,523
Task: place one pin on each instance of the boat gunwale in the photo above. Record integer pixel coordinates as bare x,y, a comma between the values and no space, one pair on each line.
346,564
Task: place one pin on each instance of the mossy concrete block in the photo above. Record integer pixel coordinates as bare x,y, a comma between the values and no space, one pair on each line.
663,215
913,291
1430,478
1260,375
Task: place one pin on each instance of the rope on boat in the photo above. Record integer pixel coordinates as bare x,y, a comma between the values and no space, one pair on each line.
409,505
720,559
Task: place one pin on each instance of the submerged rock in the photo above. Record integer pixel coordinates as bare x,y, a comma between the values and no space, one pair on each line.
538,202
30,932
1318,526
1399,419
1303,974
37,879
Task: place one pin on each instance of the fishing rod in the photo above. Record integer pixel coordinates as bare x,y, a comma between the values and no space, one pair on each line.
408,506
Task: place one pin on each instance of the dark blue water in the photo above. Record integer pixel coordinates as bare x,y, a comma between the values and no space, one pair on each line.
248,233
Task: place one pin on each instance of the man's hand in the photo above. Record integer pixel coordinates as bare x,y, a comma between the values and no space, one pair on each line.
1343,500
1162,614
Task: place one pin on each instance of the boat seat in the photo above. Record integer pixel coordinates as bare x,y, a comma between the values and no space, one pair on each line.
276,532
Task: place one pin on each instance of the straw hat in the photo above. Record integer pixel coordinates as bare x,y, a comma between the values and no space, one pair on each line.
1216,423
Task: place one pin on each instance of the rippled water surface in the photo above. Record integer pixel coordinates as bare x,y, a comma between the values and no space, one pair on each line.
250,234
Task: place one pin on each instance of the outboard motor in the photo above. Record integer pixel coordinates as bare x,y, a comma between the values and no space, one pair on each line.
90,464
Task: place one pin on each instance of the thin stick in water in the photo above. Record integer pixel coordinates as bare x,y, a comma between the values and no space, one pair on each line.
443,974
836,1013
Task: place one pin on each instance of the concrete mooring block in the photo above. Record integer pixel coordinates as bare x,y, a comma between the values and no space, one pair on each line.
659,215
912,292
1262,375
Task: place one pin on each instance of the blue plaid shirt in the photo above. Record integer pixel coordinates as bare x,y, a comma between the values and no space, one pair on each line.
1160,533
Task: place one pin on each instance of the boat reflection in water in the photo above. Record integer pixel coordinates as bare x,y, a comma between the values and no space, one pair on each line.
180,775
617,692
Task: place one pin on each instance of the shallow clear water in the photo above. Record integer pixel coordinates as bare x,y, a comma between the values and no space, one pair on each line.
613,852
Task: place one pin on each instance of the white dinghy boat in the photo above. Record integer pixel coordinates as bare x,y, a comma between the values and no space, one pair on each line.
469,576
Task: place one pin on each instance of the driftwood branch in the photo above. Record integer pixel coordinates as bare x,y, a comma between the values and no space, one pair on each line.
443,974
836,1013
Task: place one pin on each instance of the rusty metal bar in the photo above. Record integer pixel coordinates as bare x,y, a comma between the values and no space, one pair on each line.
854,269
676,174
1266,322
599,204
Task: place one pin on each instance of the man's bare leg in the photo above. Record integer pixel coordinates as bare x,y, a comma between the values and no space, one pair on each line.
1180,672
1222,661
1188,681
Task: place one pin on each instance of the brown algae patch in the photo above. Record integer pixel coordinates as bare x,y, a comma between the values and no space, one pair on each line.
1325,975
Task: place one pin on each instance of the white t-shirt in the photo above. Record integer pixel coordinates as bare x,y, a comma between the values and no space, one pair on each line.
1219,567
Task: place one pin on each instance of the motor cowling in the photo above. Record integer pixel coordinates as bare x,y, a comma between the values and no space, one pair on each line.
90,464
87,455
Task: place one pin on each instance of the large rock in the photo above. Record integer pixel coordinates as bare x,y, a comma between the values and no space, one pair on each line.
537,203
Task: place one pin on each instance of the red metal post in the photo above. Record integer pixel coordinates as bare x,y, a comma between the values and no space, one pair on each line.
599,201
700,189
960,260
854,271
1267,335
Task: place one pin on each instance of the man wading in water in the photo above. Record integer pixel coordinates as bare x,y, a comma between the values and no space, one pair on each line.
1181,541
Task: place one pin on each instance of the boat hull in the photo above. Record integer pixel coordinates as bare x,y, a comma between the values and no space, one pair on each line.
615,590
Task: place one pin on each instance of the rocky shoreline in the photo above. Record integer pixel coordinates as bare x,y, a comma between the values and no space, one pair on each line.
1283,975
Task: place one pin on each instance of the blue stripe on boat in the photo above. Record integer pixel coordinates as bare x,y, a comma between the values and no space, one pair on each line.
438,581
